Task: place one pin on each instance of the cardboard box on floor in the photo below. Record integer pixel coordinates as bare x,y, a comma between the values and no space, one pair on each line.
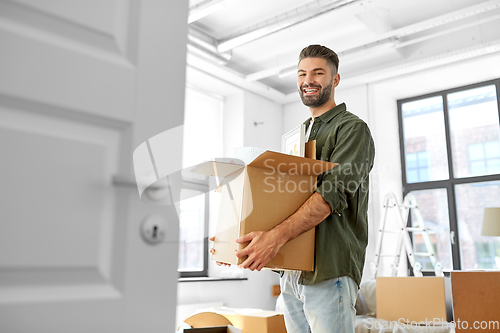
475,300
255,321
209,322
247,320
259,196
411,299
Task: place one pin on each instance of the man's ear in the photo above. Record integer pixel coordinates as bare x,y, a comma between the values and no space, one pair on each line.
336,80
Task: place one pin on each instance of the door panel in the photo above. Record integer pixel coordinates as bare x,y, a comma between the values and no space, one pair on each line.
82,83
54,60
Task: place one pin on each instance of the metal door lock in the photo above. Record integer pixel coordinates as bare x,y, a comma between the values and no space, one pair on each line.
154,228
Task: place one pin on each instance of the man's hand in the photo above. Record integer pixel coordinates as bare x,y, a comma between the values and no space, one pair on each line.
212,251
263,246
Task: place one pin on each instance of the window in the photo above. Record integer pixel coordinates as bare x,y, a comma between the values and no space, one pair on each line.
484,158
417,167
450,153
202,141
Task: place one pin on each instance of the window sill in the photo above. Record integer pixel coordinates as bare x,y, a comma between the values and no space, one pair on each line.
208,279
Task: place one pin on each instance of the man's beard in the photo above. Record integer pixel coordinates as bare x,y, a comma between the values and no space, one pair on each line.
315,101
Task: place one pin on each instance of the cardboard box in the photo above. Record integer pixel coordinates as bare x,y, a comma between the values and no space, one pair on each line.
475,301
253,320
259,196
209,322
411,299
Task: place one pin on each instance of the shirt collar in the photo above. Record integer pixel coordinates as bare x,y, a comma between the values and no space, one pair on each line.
330,114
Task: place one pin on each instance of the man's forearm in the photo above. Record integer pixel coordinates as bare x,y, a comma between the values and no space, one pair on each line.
309,215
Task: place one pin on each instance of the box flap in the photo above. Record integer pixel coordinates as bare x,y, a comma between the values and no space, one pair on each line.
205,319
228,221
218,168
284,163
310,149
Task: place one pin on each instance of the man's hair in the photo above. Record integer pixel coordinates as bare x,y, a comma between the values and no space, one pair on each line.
320,51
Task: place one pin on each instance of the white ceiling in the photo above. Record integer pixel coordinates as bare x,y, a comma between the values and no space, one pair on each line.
375,39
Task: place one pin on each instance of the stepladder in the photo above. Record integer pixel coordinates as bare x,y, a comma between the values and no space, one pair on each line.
401,212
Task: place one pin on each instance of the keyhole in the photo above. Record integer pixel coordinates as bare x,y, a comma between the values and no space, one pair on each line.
153,229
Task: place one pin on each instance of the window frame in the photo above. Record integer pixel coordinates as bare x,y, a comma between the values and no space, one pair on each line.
203,187
448,184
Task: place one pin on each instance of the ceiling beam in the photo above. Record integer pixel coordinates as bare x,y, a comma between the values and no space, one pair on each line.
205,8
235,79
283,21
391,38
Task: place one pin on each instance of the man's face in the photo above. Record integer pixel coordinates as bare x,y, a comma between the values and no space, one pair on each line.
315,81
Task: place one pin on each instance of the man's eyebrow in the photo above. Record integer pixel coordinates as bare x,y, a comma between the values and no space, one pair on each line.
314,70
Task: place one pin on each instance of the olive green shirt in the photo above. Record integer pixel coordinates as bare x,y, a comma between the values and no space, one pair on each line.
341,239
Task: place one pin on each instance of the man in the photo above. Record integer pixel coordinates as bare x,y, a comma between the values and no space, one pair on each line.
323,300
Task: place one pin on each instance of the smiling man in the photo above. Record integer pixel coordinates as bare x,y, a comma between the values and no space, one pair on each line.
323,300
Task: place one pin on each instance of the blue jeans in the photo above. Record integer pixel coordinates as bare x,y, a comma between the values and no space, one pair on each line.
324,307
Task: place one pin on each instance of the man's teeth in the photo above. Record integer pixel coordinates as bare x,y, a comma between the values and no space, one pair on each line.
310,90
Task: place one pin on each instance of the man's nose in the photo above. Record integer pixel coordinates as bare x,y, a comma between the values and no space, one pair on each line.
309,79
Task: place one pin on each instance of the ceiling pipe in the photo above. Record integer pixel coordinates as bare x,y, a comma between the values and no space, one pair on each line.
288,19
205,8
392,38
202,45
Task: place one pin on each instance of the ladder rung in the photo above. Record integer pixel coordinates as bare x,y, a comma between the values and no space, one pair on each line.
389,255
423,254
416,229
391,231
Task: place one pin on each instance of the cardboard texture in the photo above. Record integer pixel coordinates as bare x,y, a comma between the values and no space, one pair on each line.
475,300
254,320
239,320
205,319
310,149
411,299
274,323
259,196
209,322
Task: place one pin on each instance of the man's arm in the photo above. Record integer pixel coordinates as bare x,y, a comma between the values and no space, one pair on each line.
264,245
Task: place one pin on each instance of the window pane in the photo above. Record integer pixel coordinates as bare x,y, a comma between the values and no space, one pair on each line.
425,140
477,252
433,205
475,134
191,231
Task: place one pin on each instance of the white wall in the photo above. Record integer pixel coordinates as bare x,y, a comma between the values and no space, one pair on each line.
294,114
233,122
261,110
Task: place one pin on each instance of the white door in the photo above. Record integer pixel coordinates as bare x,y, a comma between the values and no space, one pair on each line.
82,83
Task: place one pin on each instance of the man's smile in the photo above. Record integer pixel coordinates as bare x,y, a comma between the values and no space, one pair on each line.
309,91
